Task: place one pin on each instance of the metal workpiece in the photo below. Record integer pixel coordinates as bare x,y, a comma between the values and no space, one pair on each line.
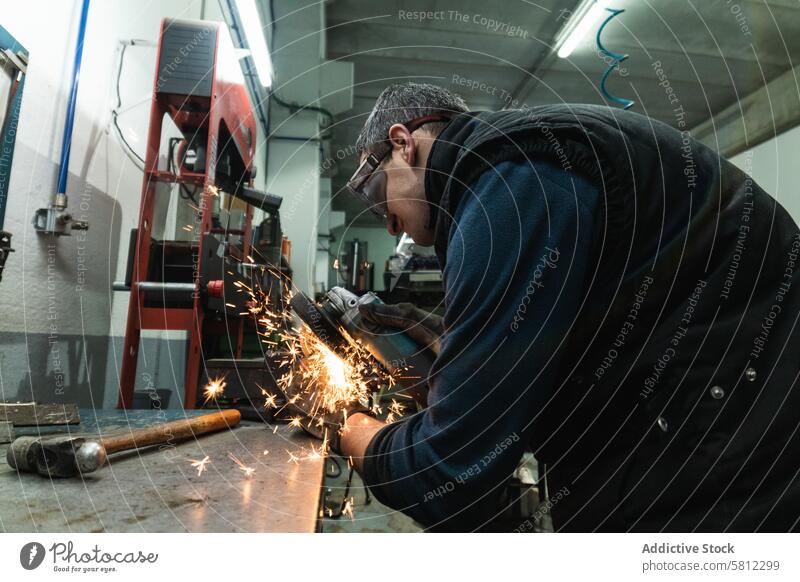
159,490
39,414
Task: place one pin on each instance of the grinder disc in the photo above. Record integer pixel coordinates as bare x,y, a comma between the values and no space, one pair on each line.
319,321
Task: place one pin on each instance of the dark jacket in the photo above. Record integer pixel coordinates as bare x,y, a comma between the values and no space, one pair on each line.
517,260
676,406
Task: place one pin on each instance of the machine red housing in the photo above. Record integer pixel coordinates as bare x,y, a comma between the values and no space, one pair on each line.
200,87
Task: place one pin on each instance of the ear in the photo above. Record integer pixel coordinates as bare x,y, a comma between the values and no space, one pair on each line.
402,142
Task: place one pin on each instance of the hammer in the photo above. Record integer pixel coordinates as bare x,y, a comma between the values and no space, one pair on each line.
66,456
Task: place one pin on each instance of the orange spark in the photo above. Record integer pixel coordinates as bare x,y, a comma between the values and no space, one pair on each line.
214,388
269,402
248,471
395,410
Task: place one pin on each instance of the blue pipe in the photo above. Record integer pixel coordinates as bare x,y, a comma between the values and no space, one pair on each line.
63,171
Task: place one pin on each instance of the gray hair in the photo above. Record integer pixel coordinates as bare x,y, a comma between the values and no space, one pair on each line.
403,102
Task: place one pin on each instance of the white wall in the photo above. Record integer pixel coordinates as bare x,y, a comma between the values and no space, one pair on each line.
774,166
294,164
294,175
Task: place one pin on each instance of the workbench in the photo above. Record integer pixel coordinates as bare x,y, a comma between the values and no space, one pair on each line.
157,489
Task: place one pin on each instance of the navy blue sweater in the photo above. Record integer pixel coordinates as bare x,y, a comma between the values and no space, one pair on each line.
516,265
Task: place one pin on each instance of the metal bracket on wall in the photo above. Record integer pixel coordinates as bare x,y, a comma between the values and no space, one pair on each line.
56,220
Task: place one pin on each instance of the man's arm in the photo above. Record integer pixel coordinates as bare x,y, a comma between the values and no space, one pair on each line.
515,274
356,436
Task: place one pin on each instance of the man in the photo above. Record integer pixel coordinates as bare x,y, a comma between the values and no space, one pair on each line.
619,299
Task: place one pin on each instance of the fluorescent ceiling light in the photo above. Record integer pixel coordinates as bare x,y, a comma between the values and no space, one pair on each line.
583,19
250,20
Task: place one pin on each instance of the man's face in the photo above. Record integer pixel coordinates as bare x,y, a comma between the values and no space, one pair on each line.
405,184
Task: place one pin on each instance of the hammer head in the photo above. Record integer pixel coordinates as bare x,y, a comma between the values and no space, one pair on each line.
56,456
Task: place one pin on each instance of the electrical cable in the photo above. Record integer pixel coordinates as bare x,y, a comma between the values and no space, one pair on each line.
298,107
183,191
367,497
115,112
327,250
340,513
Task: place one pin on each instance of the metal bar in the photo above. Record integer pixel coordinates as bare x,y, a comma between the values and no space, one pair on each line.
141,252
35,414
7,149
169,288
9,45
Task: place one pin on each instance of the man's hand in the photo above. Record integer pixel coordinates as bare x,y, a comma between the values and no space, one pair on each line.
326,425
424,328
347,432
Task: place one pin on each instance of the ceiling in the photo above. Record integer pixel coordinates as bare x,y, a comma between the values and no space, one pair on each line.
712,51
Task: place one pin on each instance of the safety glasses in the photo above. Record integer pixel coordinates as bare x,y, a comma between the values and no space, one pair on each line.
368,182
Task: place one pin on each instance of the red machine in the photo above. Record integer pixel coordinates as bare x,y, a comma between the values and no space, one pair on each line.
174,283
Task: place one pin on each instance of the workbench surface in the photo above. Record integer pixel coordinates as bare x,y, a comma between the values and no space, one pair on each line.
157,490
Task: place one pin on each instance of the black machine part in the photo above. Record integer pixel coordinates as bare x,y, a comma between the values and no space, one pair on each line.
5,250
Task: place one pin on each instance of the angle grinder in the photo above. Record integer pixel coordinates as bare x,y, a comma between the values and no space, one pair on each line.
338,312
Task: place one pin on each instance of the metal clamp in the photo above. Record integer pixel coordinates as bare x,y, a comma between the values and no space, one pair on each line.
5,250
55,220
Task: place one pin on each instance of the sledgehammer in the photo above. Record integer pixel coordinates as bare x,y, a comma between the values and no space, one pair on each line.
66,456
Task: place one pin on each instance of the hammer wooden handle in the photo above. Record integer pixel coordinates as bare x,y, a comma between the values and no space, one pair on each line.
172,431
